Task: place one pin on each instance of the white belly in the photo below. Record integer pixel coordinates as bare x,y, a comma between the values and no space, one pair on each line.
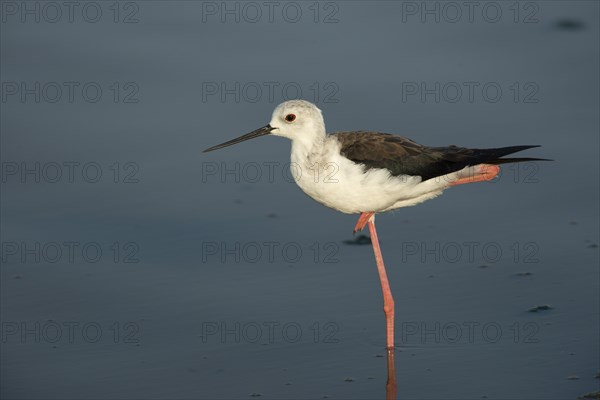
339,183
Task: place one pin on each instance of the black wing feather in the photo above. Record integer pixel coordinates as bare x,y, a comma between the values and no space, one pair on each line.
402,156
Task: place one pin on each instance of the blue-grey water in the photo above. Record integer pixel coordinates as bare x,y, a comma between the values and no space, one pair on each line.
135,266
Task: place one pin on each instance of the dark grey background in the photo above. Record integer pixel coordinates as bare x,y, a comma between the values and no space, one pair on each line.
194,246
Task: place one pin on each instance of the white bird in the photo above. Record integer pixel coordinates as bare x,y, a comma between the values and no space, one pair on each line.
366,173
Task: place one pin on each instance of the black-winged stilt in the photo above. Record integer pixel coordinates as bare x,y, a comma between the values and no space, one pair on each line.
370,172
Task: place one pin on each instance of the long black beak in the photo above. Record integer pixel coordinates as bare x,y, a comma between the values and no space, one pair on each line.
265,130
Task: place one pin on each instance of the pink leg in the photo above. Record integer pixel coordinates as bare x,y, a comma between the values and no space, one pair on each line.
388,301
362,220
486,172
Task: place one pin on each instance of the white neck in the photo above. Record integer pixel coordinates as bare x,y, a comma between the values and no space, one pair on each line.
310,141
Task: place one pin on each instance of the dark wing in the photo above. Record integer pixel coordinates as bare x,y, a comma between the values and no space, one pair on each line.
402,156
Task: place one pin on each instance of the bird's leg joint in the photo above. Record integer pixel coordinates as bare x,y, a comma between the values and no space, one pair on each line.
388,307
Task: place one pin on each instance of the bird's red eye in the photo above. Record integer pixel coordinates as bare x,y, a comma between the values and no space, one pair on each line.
290,117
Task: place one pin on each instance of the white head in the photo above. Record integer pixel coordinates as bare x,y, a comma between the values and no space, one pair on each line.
297,120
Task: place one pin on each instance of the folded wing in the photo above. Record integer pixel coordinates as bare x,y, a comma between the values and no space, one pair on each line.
402,156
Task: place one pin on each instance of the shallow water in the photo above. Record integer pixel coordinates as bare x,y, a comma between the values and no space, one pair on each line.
219,278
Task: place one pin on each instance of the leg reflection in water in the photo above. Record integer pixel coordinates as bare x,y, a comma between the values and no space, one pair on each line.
390,386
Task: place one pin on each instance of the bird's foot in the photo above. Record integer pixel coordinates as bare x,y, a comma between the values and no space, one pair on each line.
484,172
